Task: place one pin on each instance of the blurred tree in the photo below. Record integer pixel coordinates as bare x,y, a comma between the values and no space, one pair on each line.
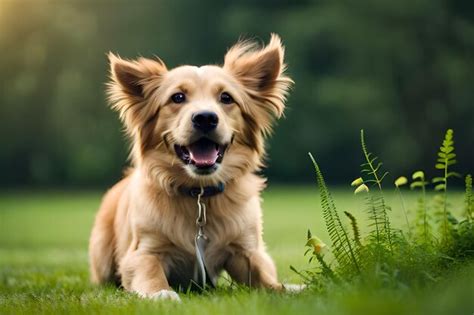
402,70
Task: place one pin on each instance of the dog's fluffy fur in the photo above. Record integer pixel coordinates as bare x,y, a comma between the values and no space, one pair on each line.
144,232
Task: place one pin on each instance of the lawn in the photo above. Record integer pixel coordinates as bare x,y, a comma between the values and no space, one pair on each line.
44,269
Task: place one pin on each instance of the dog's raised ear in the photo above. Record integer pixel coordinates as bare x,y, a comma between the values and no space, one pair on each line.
261,70
131,84
133,75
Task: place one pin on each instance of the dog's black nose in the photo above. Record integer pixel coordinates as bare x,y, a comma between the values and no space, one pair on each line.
205,121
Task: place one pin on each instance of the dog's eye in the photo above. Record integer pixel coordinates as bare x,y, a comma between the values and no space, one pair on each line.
178,98
226,98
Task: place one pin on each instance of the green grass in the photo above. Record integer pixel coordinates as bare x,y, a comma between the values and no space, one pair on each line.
44,269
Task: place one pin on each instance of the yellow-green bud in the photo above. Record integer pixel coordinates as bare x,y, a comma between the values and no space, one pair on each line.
361,188
357,182
402,180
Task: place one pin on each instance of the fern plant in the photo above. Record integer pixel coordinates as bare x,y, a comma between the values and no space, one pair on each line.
385,258
343,247
462,246
446,158
377,207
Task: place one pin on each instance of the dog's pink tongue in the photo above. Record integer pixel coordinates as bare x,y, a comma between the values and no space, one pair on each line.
203,154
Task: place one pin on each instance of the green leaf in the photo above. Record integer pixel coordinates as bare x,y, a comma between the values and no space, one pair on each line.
440,187
438,179
455,174
439,166
416,184
447,143
446,148
418,174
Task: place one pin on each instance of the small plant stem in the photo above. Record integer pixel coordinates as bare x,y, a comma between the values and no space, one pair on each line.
374,214
445,202
423,204
299,273
404,209
325,267
469,197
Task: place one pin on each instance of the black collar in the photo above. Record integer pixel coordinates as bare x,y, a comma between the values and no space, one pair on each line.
209,191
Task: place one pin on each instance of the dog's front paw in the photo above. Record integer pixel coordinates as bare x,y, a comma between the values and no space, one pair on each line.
293,288
166,295
163,295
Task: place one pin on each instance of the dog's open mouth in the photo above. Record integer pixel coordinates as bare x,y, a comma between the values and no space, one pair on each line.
204,154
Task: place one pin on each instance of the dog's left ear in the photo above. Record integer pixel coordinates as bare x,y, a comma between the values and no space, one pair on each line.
261,71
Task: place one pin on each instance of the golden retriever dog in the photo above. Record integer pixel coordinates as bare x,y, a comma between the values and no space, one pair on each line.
196,133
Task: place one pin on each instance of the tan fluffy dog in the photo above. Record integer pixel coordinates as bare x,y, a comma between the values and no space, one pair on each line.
190,127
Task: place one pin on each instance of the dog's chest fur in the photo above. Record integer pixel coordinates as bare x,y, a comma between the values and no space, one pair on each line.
168,227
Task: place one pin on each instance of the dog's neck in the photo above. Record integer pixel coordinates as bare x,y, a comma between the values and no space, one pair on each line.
207,191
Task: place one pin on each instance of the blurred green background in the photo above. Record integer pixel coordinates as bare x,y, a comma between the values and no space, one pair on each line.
402,70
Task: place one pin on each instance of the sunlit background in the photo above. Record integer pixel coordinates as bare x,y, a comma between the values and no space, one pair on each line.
402,70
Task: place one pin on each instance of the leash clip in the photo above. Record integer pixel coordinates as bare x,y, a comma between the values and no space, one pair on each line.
201,219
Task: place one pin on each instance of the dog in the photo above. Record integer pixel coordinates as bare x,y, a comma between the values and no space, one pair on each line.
197,141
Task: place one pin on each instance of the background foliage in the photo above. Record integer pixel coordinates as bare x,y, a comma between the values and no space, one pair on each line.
402,70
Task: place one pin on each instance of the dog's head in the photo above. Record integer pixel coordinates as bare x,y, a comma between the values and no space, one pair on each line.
201,125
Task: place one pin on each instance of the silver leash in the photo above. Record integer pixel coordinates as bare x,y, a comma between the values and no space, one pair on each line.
201,272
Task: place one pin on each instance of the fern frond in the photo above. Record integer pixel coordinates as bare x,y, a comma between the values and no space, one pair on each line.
355,228
375,219
446,158
377,207
342,246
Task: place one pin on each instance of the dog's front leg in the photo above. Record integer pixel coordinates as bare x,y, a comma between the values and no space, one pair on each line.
253,268
143,274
